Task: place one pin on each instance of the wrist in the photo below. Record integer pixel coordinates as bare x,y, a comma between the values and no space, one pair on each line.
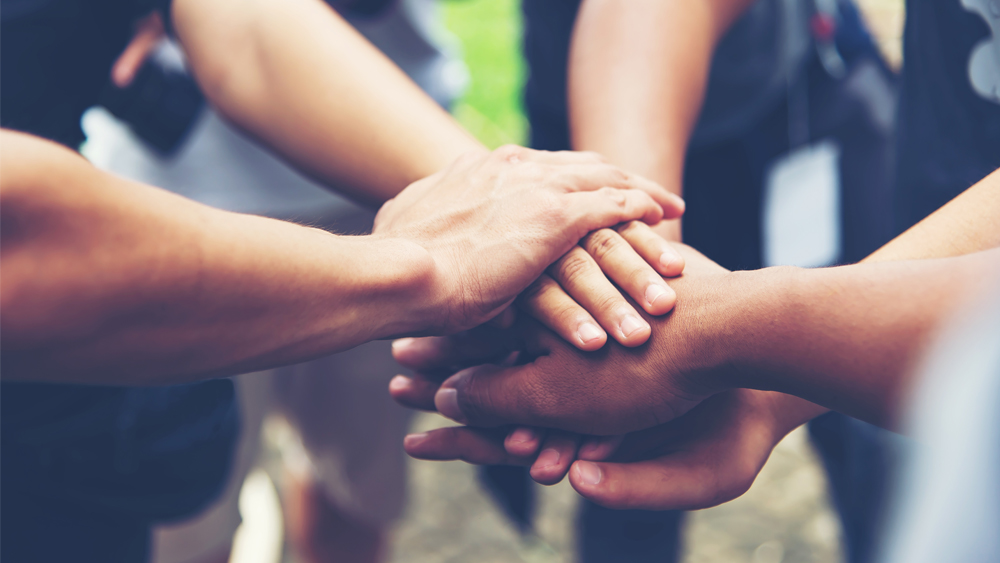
744,320
399,293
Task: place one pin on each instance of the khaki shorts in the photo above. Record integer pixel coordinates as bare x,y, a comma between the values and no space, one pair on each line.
348,436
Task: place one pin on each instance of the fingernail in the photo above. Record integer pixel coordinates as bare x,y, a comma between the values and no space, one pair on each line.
590,473
631,324
446,401
654,292
547,458
669,258
414,439
522,435
399,383
401,344
589,332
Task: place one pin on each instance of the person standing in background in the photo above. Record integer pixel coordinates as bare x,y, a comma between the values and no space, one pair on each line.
341,496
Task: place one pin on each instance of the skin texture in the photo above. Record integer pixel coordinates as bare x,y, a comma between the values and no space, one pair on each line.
713,453
110,281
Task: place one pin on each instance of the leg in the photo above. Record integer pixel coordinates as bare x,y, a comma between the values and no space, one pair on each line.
637,536
207,536
349,483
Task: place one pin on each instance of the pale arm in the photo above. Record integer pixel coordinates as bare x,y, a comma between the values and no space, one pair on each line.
106,280
295,75
637,76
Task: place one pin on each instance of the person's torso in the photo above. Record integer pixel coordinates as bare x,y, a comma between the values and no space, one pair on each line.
149,452
949,120
55,60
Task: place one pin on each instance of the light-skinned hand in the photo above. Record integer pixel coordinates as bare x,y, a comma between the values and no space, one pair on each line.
492,223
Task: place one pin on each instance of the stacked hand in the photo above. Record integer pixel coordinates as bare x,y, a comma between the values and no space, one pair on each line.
492,224
634,428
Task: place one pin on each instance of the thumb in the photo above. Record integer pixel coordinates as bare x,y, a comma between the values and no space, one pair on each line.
488,396
678,481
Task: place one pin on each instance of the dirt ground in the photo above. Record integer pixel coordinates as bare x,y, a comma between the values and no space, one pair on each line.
784,517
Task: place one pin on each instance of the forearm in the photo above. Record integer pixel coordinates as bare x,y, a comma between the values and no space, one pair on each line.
848,338
297,76
637,77
968,223
110,281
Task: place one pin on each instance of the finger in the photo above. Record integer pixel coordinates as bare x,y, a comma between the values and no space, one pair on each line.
653,248
546,301
672,204
579,274
415,392
488,396
593,171
471,445
606,207
599,448
674,482
523,441
450,353
147,37
558,452
620,262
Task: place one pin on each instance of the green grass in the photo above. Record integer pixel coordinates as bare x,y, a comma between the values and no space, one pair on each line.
490,33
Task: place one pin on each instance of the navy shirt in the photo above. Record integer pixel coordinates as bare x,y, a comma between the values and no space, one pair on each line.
949,135
86,470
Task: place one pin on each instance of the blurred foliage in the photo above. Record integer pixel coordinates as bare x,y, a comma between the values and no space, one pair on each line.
490,33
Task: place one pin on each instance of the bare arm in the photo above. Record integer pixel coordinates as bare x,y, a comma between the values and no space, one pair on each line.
106,280
294,74
109,281
637,77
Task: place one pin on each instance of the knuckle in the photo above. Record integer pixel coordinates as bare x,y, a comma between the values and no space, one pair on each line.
510,153
616,196
617,173
611,302
574,267
632,229
602,243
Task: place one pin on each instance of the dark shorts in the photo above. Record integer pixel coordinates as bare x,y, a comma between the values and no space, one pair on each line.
86,471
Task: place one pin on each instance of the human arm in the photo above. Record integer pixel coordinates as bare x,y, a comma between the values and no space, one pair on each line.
110,281
713,453
637,76
295,75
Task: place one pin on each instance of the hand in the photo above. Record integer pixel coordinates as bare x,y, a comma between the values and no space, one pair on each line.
578,287
492,223
611,391
709,456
